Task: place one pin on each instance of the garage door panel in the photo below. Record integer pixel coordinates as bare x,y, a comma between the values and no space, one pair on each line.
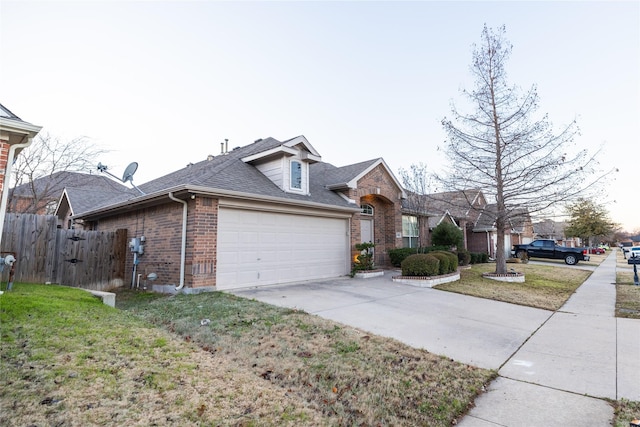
261,248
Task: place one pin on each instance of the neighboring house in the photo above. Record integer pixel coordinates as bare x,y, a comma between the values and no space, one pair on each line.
266,213
83,192
469,211
80,191
519,230
15,135
549,229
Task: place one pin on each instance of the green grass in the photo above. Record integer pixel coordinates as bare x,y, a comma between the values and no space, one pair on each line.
70,360
546,287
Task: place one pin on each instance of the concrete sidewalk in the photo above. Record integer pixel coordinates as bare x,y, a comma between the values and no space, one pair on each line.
581,355
555,367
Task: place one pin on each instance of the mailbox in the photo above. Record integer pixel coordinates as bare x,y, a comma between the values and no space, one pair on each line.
634,260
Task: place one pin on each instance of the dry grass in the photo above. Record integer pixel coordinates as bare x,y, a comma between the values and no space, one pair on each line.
546,287
69,360
628,295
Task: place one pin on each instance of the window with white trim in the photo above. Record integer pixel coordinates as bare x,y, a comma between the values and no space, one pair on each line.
366,209
296,175
409,231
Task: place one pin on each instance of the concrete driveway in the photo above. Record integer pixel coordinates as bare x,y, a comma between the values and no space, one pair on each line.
555,368
471,330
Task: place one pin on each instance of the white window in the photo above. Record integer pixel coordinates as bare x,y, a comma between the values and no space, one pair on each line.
296,175
367,209
409,231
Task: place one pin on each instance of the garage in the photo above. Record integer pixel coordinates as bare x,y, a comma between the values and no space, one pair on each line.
257,248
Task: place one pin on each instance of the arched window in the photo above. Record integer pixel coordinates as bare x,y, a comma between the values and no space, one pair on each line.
367,209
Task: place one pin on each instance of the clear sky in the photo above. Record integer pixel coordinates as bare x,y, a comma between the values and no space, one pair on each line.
163,83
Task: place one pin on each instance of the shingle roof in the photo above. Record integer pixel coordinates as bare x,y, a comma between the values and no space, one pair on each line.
82,199
53,184
228,172
518,218
345,174
4,112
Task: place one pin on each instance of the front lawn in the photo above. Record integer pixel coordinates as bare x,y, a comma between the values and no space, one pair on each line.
211,359
546,287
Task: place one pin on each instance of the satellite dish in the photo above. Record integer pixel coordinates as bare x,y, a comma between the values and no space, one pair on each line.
129,171
126,176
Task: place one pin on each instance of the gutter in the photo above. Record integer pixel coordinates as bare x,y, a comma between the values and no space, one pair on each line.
183,246
7,178
155,197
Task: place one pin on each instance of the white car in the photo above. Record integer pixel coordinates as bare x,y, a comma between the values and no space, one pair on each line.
633,251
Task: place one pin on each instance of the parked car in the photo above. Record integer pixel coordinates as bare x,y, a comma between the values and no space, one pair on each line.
633,251
597,251
604,246
545,248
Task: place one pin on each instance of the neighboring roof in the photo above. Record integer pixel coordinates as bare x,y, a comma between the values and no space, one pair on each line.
518,219
228,174
84,191
549,229
458,203
82,199
54,184
434,221
11,123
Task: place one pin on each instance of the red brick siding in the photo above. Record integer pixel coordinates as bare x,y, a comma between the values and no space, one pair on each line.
162,228
202,227
378,189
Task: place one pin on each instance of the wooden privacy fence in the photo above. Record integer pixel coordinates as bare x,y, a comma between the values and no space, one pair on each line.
44,253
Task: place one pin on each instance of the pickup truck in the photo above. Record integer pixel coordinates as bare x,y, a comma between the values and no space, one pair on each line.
543,248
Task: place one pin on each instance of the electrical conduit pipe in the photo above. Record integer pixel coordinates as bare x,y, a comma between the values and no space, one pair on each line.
183,246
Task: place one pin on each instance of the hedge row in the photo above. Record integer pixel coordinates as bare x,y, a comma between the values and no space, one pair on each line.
465,257
435,263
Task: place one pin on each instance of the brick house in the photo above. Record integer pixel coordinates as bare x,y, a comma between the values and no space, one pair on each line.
469,211
15,135
266,213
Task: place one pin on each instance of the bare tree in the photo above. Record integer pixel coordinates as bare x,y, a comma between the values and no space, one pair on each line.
38,172
503,149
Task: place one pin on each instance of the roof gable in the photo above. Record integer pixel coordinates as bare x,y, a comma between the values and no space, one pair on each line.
347,177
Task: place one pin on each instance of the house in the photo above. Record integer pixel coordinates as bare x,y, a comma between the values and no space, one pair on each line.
15,135
62,193
470,211
266,213
519,230
549,229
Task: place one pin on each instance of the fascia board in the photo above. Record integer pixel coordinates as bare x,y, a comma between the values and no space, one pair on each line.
183,190
268,153
18,126
302,140
62,197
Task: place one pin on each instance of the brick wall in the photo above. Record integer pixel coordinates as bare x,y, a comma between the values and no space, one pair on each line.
378,189
202,227
162,227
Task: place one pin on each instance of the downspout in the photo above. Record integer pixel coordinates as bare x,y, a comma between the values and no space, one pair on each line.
7,178
183,246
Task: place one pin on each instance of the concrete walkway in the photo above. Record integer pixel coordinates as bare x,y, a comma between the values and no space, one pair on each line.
581,355
556,368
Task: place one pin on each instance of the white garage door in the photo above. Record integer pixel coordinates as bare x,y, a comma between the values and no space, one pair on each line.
264,248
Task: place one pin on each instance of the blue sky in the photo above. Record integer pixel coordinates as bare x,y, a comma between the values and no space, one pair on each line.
164,83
